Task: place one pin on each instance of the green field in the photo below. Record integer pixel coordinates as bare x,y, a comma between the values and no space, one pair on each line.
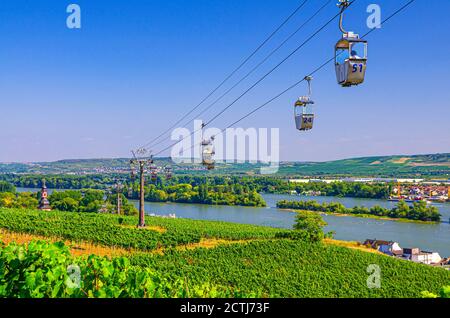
257,264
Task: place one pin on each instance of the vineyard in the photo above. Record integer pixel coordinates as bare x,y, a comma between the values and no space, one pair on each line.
284,268
260,262
121,231
48,270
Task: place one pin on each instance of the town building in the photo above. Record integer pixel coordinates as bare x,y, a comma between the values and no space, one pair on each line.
315,180
386,247
412,254
424,257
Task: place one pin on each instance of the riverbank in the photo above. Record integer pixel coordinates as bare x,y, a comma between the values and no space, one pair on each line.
418,211
251,199
260,204
322,197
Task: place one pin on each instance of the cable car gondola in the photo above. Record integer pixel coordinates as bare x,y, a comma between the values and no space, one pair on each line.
208,153
168,171
350,55
133,173
303,110
153,173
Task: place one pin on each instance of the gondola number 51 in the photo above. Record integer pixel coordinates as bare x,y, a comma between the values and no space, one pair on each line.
356,67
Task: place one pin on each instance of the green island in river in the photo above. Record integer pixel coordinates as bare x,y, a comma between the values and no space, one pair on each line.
419,212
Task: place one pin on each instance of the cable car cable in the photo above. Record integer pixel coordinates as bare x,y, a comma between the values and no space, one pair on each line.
253,69
310,74
259,81
233,72
314,71
276,66
262,78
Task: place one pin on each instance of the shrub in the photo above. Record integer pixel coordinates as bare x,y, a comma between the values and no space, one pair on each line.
444,293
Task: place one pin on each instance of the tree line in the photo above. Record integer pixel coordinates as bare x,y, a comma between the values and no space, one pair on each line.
60,181
265,184
231,194
214,191
418,211
85,200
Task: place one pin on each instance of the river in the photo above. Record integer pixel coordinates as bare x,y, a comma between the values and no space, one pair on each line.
433,237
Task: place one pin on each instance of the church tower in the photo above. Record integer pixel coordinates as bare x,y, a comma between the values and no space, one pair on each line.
43,202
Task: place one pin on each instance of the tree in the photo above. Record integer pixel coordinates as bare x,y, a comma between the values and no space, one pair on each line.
157,195
7,187
421,211
433,214
401,210
7,199
25,201
93,206
129,208
90,196
66,204
311,224
379,211
58,196
203,193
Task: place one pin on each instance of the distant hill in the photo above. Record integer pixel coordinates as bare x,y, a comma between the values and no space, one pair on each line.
384,166
432,165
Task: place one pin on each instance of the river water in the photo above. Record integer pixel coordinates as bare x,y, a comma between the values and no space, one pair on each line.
433,237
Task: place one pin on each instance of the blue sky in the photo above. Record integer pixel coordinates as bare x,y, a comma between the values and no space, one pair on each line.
135,66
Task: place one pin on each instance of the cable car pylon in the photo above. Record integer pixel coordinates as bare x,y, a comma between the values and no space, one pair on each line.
141,161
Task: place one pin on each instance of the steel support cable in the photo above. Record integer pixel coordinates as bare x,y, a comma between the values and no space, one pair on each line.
231,74
316,70
310,74
251,71
260,80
